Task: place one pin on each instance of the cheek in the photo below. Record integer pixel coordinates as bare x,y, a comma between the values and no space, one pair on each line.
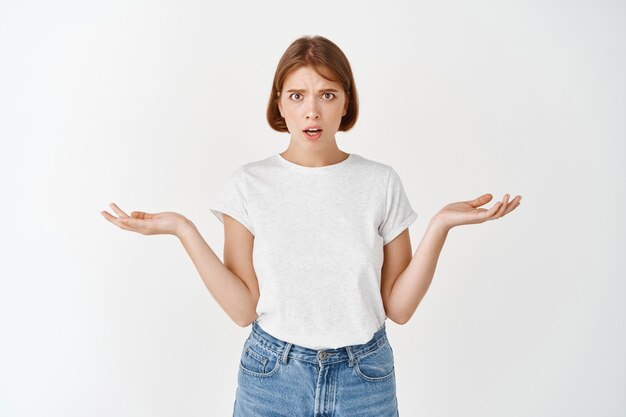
339,110
287,110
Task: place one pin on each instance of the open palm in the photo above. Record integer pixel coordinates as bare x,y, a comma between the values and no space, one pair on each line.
167,222
468,212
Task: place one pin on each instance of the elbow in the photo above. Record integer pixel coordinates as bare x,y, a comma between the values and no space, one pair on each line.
402,321
243,323
248,316
246,322
399,319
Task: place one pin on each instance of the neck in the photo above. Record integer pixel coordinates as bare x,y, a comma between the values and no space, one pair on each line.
314,158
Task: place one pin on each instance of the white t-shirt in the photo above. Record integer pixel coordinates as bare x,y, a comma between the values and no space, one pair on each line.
318,244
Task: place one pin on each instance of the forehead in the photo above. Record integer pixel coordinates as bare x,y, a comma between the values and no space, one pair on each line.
307,75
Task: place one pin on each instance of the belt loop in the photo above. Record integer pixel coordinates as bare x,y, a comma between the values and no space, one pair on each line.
350,356
286,352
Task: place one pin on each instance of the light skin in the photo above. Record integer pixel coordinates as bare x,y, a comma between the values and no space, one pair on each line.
307,99
405,278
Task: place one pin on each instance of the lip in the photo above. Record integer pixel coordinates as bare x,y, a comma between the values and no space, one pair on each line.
315,137
312,127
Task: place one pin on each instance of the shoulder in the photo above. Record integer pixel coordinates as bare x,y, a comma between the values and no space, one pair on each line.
257,167
371,166
243,172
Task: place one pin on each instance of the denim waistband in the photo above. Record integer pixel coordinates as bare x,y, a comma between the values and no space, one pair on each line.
322,356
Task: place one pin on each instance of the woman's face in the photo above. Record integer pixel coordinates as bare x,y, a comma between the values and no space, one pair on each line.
309,101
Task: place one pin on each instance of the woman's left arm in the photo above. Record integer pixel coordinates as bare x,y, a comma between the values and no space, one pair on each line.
412,284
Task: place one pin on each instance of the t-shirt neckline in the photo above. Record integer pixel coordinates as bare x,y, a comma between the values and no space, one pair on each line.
303,168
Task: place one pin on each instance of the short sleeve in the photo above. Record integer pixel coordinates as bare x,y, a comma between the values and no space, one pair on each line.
398,211
232,200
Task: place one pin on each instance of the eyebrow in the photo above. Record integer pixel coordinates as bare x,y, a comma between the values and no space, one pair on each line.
299,90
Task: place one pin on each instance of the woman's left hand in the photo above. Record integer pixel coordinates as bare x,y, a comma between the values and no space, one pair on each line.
467,212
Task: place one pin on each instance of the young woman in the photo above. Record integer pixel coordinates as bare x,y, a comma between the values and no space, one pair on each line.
317,253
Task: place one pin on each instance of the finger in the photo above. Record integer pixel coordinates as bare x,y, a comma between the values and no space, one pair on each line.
123,220
513,204
511,207
483,199
108,216
118,210
500,212
140,215
128,223
488,214
122,224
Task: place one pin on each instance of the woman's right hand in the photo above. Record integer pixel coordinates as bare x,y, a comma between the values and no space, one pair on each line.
165,223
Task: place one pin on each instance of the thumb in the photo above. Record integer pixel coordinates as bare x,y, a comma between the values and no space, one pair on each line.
485,198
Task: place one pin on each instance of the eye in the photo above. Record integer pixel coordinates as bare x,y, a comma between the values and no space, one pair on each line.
294,94
331,94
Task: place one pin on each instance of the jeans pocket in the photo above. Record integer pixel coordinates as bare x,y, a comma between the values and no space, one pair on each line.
377,365
257,360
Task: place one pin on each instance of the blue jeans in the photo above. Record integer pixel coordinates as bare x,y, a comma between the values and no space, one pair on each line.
280,379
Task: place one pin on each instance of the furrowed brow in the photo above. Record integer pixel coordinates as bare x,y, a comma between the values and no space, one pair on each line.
300,90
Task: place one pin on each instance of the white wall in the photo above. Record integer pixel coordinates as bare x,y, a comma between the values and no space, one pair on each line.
152,104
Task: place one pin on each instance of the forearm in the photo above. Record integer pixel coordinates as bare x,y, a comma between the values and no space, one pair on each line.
413,282
230,292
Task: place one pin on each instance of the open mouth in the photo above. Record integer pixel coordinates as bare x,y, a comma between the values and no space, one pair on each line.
313,133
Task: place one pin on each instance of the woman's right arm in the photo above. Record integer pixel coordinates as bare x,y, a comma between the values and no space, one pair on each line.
229,290
235,296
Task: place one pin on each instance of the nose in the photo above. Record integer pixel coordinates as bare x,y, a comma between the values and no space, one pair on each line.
312,111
